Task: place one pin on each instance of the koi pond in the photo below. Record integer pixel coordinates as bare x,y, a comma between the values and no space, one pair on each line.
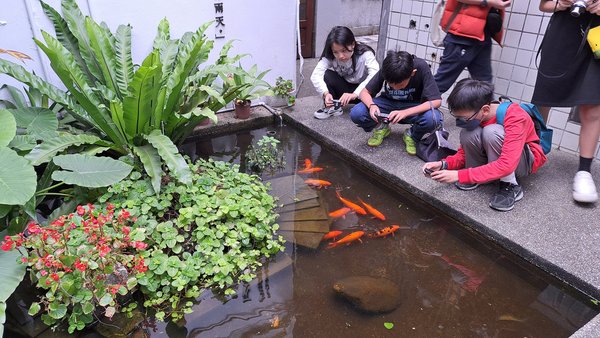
442,281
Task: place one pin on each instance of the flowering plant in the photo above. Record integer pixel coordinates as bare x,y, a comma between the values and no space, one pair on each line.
85,260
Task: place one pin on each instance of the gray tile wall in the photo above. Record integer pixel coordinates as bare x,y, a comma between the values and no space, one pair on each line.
514,65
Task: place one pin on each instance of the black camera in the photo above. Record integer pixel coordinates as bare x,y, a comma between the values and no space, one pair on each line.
383,117
337,104
427,171
578,8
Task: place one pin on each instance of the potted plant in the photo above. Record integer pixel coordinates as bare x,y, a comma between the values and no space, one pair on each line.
253,87
284,92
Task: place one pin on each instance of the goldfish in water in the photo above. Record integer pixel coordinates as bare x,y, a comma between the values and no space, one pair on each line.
372,210
385,231
307,163
340,212
310,170
318,183
357,208
331,235
355,236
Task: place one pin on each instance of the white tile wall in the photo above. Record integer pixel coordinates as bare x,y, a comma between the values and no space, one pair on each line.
514,65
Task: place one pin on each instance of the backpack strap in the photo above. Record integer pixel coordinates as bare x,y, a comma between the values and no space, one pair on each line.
501,112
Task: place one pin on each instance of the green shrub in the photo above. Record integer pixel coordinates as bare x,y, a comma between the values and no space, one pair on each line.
265,155
210,234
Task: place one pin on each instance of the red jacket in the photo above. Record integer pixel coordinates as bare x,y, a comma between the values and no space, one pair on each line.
469,21
518,131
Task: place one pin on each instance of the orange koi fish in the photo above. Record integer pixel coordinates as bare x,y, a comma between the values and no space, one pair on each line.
318,183
307,163
355,236
385,231
331,235
340,212
372,210
310,170
351,205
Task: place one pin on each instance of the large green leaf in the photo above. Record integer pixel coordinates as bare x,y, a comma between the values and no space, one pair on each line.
17,178
90,171
17,97
123,57
152,164
23,143
192,52
169,153
21,74
137,105
73,78
39,122
64,35
44,152
104,53
8,128
76,23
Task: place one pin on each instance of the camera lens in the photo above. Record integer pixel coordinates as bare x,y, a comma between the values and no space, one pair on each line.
578,8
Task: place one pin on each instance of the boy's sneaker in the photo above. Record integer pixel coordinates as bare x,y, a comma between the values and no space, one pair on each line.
382,131
466,186
411,145
584,188
507,195
327,112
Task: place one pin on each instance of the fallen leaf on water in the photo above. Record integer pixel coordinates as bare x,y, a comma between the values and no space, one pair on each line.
388,325
275,322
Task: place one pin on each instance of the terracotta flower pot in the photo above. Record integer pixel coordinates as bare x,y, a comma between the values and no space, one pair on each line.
242,109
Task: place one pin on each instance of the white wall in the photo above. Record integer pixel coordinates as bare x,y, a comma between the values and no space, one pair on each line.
513,65
266,29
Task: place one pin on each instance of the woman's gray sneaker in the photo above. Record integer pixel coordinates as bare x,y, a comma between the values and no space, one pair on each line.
325,113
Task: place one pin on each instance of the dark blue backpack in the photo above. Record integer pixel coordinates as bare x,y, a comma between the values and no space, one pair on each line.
542,131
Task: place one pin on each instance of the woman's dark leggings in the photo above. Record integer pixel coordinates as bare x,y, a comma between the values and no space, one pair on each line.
338,86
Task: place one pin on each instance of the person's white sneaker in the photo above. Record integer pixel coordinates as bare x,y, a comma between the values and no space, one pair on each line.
584,188
325,113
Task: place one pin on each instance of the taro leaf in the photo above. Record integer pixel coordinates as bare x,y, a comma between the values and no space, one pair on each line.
39,122
388,325
90,171
169,153
8,127
23,143
17,178
44,152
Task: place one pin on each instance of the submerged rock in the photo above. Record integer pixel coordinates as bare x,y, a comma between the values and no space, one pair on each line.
369,294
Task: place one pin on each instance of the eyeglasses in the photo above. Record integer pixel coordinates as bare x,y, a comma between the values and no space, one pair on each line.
471,117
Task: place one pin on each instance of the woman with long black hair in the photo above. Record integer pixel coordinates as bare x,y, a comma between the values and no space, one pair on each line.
345,68
569,76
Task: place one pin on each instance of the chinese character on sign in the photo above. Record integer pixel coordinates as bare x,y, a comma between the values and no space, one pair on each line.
219,21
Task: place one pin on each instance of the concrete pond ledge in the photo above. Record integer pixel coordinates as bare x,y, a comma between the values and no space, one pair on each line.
547,228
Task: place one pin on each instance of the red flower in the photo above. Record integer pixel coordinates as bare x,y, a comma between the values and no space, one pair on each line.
55,277
104,250
139,245
80,210
23,259
7,245
126,230
81,266
33,228
124,214
43,272
114,289
110,206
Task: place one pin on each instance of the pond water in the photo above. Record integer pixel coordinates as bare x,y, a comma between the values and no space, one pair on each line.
451,285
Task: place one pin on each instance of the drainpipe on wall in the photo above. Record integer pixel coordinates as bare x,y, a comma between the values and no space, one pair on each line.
383,30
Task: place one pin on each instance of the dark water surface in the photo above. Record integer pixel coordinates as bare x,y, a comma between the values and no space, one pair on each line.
451,284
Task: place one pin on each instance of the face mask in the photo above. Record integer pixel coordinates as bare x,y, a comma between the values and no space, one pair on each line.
469,125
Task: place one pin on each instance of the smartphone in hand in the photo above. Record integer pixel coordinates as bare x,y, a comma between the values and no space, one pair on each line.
427,172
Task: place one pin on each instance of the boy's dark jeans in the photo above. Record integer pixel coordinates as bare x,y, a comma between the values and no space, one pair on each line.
421,124
476,56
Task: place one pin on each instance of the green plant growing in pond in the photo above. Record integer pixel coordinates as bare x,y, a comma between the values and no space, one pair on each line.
84,261
211,234
265,155
284,88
